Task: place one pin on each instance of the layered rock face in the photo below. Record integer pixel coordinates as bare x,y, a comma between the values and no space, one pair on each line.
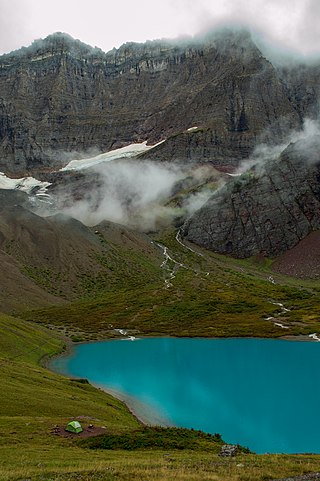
60,96
267,210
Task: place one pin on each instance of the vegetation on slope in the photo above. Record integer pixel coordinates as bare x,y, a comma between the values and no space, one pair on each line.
149,437
209,296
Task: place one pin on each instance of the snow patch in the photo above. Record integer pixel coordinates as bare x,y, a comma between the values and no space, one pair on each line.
124,153
124,332
281,325
315,337
284,309
26,184
121,331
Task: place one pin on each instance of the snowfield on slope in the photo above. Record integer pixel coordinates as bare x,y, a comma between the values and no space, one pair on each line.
26,184
125,152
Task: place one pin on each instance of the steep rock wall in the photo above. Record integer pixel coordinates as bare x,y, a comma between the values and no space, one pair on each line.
264,211
60,96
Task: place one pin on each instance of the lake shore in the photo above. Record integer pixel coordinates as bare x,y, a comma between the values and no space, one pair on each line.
141,411
145,414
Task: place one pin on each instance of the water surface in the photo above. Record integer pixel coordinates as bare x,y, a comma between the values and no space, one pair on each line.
264,394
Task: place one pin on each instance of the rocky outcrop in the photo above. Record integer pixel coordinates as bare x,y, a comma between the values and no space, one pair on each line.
229,450
301,82
267,210
222,148
60,97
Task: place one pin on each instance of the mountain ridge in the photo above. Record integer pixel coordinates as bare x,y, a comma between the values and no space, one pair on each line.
206,100
60,96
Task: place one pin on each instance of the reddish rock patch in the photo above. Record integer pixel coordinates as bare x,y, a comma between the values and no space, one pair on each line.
303,260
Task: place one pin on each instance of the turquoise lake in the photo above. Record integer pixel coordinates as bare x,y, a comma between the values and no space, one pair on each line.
264,394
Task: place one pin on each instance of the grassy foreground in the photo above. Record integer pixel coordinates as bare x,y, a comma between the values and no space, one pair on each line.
34,400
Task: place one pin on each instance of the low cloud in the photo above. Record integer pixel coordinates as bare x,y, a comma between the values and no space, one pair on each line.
149,196
128,192
306,142
142,195
195,201
282,29
291,25
13,18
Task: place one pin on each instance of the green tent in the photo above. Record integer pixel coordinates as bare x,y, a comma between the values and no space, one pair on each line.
74,427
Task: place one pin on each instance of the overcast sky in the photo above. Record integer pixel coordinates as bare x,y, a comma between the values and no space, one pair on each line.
291,24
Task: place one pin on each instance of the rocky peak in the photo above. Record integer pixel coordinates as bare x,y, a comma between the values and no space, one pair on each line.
54,45
233,44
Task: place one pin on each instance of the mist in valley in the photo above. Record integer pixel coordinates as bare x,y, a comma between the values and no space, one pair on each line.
140,194
149,196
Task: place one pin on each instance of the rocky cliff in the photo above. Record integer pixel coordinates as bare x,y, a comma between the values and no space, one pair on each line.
59,97
267,210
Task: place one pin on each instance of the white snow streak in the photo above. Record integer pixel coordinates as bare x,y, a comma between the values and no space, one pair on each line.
26,184
178,239
164,265
124,153
281,325
124,332
284,310
315,337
